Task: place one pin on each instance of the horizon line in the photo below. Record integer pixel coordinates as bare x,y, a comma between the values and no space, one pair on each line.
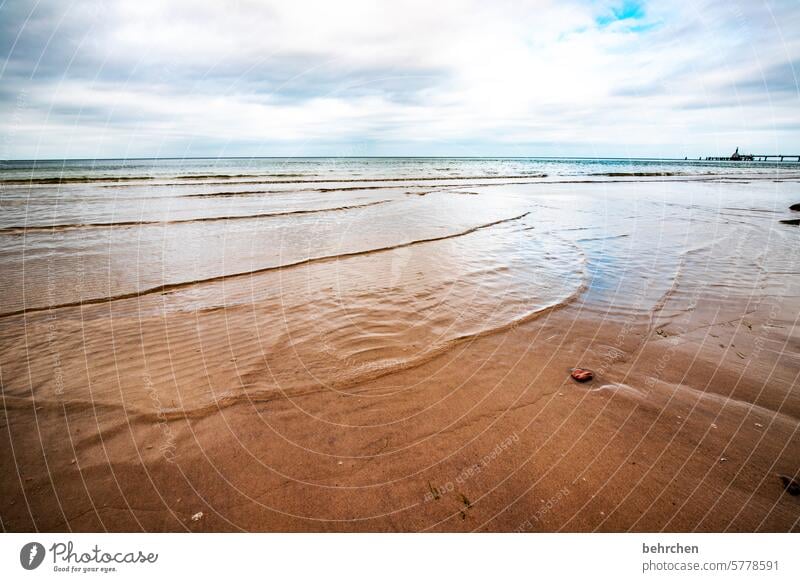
145,158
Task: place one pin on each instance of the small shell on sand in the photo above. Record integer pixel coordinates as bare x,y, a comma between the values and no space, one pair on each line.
582,375
197,516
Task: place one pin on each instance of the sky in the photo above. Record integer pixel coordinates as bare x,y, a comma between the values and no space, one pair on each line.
594,78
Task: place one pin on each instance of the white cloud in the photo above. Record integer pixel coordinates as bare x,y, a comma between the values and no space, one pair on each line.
539,77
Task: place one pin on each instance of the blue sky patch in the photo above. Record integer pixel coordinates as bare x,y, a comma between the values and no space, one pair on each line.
628,10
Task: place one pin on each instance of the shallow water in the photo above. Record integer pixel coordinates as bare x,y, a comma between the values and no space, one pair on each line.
333,271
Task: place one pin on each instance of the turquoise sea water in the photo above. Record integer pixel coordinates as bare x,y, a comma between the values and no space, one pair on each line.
360,167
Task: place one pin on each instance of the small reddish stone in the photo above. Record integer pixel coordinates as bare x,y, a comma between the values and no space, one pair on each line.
581,375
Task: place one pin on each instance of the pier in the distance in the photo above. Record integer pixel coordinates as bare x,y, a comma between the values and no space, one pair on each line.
737,157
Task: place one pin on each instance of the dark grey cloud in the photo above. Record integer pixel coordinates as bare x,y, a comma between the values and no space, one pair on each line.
775,79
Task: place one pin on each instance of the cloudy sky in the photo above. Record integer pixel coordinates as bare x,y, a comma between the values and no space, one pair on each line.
133,78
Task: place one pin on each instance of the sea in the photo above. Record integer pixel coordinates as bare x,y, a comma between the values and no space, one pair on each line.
360,266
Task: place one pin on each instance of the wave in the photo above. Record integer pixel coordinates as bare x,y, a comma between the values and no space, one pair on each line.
311,260
599,238
230,399
398,179
230,179
169,180
260,192
402,184
402,179
73,180
637,174
90,179
78,226
766,210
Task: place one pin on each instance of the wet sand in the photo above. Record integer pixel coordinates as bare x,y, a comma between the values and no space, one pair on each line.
403,364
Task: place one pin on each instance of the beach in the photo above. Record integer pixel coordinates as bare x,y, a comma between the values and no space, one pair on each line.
385,344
